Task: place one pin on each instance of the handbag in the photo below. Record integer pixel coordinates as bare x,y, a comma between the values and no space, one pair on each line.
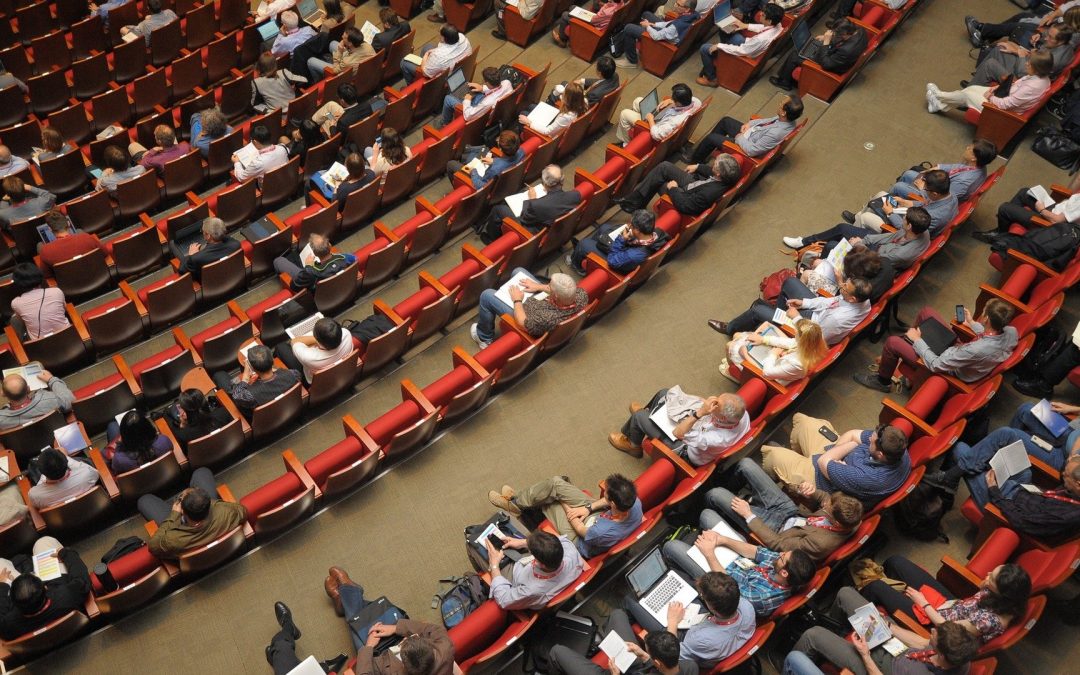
1057,148
772,284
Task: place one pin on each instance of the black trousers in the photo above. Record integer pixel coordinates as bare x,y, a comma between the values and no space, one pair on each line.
490,229
158,510
793,61
284,352
900,568
282,653
655,182
725,130
1020,209
995,31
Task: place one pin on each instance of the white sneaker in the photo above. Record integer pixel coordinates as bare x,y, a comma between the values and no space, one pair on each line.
933,103
476,337
933,89
793,242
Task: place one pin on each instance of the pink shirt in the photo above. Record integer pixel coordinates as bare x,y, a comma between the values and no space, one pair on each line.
1024,94
156,160
42,310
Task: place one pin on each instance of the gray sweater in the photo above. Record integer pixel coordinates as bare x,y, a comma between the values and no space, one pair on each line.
56,396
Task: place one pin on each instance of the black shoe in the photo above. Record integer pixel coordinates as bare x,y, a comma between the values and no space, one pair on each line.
848,216
986,237
498,34
627,204
285,620
786,85
1033,386
940,480
719,326
335,664
269,655
872,381
974,31
964,84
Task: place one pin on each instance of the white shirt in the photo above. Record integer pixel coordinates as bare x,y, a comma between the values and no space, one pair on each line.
558,125
670,119
1070,208
317,358
490,98
272,8
270,157
443,57
836,316
755,46
81,477
705,441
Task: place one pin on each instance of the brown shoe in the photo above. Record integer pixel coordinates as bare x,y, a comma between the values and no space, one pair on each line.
436,18
332,586
507,492
621,443
500,501
701,79
635,406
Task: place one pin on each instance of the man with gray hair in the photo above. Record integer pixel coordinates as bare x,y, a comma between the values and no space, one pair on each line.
692,190
305,273
292,35
544,205
547,305
702,428
25,405
218,245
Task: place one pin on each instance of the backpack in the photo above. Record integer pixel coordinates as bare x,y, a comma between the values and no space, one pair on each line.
1050,342
369,328
461,599
1053,246
121,548
770,286
516,77
919,515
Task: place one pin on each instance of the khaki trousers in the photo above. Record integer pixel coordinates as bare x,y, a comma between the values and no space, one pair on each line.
796,465
549,496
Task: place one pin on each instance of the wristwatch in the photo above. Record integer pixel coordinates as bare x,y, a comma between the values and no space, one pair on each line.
695,415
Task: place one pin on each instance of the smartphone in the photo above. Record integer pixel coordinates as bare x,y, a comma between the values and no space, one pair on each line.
496,542
959,314
828,433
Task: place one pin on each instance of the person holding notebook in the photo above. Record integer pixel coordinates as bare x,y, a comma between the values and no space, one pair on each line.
736,43
535,315
660,655
971,361
705,428
1064,440
787,359
1022,95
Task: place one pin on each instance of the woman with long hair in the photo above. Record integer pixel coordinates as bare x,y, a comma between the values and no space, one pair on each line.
133,442
572,105
389,151
788,360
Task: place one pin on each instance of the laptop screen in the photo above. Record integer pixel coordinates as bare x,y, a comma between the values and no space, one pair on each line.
721,11
45,233
647,572
306,8
268,30
455,80
648,103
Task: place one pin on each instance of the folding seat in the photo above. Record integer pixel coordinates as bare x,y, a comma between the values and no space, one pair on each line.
13,107
137,195
521,31
586,40
603,111
98,402
462,390
200,24
129,61
24,235
936,404
221,58
510,355
280,184
77,512
366,76
734,72
329,383
614,287
139,578
926,449
51,52
321,156
151,477
110,107
235,97
334,293
61,351
470,209
281,502
183,174
273,416
743,654
820,83
541,157
21,138
15,59
400,181
362,133
159,375
27,439
236,204
406,426
149,92
261,253
49,637
87,37
571,138
388,346
658,57
218,160
854,543
428,310
222,279
165,44
395,53
901,493
383,262
1047,569
524,251
430,95
487,632
231,15
91,213
168,300
19,535
398,112
345,464
429,235
220,444
84,275
565,331
433,162
209,555
360,205
72,123
34,20
187,74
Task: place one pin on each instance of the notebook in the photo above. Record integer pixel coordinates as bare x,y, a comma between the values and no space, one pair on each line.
868,622
304,327
1009,461
369,30
617,653
937,335
1040,194
761,352
246,155
309,666
585,15
1054,422
837,255
648,104
503,293
29,373
657,586
722,17
516,202
477,164
724,554
70,438
543,115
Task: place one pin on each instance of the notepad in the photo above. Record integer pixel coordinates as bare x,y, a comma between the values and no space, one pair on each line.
868,622
413,58
517,202
247,155
542,115
761,352
131,36
307,255
1054,422
723,554
503,293
477,165
369,31
615,647
1009,461
47,565
70,438
1040,194
583,14
661,419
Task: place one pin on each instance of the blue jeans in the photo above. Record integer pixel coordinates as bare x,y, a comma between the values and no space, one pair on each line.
449,103
1025,421
112,431
352,601
628,40
708,66
590,245
316,65
906,185
798,663
408,70
678,552
490,308
974,460
769,501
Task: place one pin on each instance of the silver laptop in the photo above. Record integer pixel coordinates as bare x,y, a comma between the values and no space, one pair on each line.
657,586
45,233
648,104
305,327
310,13
456,82
722,16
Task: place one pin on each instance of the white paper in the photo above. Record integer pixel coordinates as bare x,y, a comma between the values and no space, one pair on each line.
583,14
1076,335
70,438
307,256
335,175
413,58
503,293
869,623
661,419
837,255
615,648
894,646
618,232
119,416
29,373
309,666
723,554
131,36
369,30
246,154
1040,194
478,165
517,202
542,115
46,565
780,317
1009,461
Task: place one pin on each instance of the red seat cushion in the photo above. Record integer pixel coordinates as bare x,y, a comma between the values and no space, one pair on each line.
106,307
247,248
450,385
754,393
128,568
271,495
200,338
157,359
456,195
393,421
334,458
255,312
655,484
410,307
997,261
501,247
640,145
459,274
144,292
612,170
295,219
930,393
970,510
595,283
95,387
364,252
496,354
669,222
478,630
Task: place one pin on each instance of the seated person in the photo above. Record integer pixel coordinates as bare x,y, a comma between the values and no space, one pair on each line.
538,211
393,28
774,519
964,178
625,252
510,154
693,190
708,427
196,516
335,14
1051,515
1068,443
218,244
940,203
553,564
269,9
665,120
1018,26
9,80
1009,59
52,146
948,650
867,464
271,156
480,99
273,88
837,50
206,127
902,247
10,164
22,201
730,623
1001,598
281,652
571,105
259,381
156,17
596,88
739,45
118,168
837,316
24,405
535,316
661,655
387,152
359,176
1022,210
334,117
27,603
756,137
68,243
434,61
300,139
345,54
970,361
528,9
325,264
817,273
291,34
327,344
1024,93
790,358
133,442
194,416
62,478
625,41
1052,371
594,525
37,309
166,150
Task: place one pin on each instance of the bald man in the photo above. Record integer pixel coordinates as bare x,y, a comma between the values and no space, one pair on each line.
705,428
9,163
25,405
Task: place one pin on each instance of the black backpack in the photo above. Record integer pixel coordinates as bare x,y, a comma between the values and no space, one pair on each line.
516,77
463,596
1053,246
919,515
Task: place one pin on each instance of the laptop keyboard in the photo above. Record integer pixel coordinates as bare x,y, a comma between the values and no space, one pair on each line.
662,594
305,326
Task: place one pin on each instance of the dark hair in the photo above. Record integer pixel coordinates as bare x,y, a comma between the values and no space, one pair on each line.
52,463
196,406
846,510
1042,63
266,64
327,333
138,433
354,36
449,34
720,593
621,491
347,93
891,442
196,504
644,221
509,142
388,17
861,289
955,643
918,218
844,28
261,359
51,139
998,313
261,134
116,158
355,165
862,263
663,647
26,277
153,6
1013,590
937,181
546,548
417,655
793,108
28,593
15,188
682,95
332,9
774,14
800,569
57,221
392,146
605,65
310,134
985,151
491,75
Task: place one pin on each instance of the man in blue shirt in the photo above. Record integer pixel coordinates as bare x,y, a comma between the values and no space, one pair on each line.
510,154
964,178
633,244
593,525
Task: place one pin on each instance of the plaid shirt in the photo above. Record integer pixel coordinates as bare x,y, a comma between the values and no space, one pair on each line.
756,584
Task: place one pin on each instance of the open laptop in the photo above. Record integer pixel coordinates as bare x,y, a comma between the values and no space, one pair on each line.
656,586
305,327
188,234
257,230
800,36
457,83
649,103
722,17
310,13
268,32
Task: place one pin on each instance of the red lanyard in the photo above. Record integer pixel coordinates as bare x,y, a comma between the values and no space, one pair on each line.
824,523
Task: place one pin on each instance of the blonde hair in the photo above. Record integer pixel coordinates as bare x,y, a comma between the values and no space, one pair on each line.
809,343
